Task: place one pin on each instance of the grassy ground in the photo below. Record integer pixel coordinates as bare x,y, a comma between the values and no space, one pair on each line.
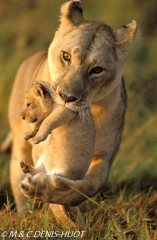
127,207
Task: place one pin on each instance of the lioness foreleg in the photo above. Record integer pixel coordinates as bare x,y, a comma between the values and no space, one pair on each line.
67,215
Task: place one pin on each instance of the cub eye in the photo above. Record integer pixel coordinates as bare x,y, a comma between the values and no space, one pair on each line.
66,56
28,104
96,70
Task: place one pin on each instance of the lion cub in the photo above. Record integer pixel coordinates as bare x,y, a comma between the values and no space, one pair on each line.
38,105
65,154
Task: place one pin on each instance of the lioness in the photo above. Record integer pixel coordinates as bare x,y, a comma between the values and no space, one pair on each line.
62,160
84,63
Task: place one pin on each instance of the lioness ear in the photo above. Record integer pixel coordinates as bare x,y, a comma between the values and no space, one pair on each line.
71,14
124,38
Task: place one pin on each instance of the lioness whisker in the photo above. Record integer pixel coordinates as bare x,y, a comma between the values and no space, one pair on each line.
83,115
87,114
80,115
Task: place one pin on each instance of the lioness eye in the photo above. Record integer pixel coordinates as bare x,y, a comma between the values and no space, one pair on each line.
66,56
97,70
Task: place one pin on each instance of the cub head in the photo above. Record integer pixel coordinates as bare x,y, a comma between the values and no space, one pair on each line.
86,58
37,103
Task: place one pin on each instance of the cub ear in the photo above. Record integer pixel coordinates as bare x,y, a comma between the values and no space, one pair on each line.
41,90
124,38
71,14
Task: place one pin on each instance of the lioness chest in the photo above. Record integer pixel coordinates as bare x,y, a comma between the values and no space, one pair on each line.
108,116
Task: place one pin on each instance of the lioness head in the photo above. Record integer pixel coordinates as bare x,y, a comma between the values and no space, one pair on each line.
37,103
86,58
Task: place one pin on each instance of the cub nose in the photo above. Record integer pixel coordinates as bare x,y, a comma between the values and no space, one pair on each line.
23,116
67,98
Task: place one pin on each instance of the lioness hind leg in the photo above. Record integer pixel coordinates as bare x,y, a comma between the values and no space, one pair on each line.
28,168
16,175
5,146
67,216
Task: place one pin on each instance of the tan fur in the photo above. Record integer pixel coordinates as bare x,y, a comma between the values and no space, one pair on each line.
91,47
36,107
5,146
65,159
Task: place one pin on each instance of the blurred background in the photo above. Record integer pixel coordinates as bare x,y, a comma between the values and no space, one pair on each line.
29,25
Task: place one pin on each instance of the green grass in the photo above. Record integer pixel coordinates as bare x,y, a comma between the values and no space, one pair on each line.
127,212
127,206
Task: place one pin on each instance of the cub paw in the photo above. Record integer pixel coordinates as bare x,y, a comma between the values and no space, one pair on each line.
39,139
26,136
25,167
27,188
35,186
30,134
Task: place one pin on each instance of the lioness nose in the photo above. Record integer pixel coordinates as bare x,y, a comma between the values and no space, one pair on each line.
67,98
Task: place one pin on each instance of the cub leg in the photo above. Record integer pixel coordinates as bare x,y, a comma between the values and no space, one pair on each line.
57,189
60,115
93,181
28,168
66,215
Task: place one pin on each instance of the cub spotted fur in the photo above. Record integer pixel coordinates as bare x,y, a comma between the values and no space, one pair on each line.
84,64
62,160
